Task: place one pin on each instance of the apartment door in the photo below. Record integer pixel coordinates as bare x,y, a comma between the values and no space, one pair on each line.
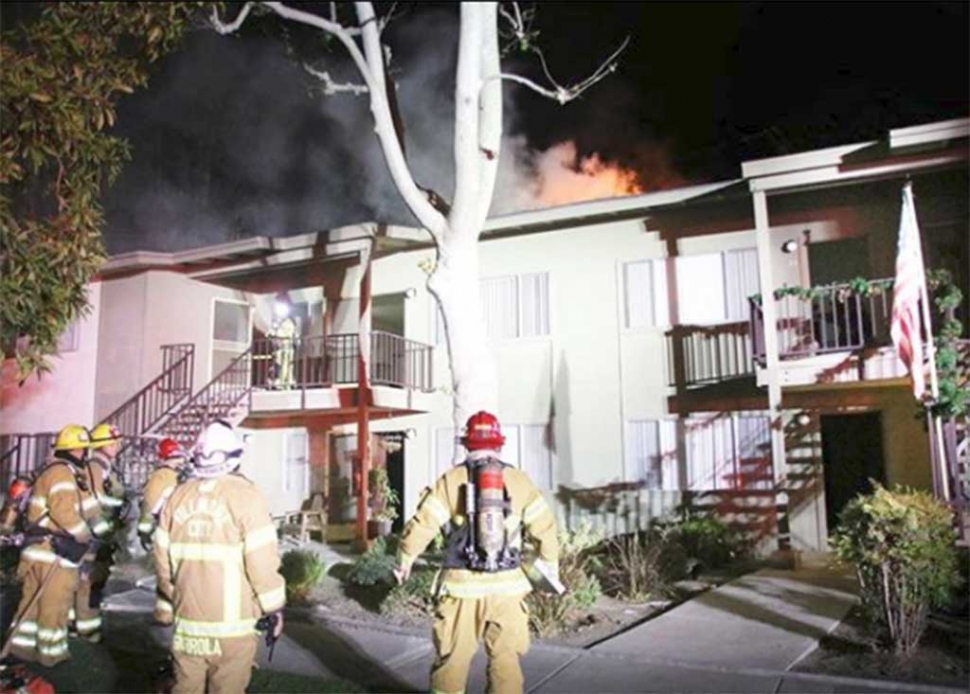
838,261
852,458
393,444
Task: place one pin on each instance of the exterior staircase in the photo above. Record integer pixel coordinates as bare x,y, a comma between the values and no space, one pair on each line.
137,418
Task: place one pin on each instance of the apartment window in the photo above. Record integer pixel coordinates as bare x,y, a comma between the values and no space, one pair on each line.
722,451
711,288
295,462
512,306
526,447
651,452
231,322
645,294
728,451
70,339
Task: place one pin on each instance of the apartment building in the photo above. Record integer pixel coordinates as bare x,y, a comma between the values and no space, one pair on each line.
641,366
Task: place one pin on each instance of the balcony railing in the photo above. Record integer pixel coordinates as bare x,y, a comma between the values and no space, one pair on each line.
703,354
332,360
21,454
832,318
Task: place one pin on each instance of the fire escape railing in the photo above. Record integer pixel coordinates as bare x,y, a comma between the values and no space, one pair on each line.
332,360
831,318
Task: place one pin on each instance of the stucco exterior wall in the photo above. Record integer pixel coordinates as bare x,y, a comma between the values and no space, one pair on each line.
64,396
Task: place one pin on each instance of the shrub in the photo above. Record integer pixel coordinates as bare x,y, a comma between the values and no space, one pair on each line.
374,566
901,543
302,571
708,541
414,596
643,564
549,613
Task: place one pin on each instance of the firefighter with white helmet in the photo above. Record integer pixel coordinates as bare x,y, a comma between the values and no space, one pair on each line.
172,460
104,517
57,539
485,507
217,560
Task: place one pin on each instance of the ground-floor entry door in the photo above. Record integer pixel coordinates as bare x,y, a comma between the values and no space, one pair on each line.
852,455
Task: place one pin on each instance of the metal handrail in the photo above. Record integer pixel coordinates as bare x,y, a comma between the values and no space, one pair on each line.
142,411
234,380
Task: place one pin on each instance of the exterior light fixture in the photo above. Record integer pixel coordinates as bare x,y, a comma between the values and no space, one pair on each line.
410,293
410,433
803,419
789,246
281,309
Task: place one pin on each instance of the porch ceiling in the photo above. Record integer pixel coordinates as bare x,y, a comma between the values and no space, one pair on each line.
265,278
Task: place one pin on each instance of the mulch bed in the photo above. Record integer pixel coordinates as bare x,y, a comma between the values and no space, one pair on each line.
942,658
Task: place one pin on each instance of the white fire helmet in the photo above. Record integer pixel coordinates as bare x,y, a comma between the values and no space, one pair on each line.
218,450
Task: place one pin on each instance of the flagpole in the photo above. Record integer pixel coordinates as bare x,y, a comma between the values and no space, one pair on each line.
935,422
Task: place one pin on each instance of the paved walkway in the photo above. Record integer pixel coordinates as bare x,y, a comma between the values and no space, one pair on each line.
740,637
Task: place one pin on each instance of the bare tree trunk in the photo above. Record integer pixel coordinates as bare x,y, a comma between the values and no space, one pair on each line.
455,285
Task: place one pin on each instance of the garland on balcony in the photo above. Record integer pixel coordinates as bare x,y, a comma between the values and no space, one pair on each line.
952,363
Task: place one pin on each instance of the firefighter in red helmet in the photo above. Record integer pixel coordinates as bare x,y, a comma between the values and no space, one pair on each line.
484,507
161,483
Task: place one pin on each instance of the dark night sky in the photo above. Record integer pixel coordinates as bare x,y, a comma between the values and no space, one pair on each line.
227,143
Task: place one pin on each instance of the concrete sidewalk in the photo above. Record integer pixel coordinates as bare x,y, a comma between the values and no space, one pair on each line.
740,637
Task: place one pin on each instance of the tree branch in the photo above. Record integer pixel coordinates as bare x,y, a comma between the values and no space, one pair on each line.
330,87
370,64
234,25
467,98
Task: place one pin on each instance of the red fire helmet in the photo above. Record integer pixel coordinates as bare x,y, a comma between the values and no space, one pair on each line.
18,489
483,431
170,448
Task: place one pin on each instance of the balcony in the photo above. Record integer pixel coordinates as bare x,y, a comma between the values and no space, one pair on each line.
836,333
320,374
701,355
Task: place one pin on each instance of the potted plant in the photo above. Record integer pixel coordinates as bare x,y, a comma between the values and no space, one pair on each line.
383,500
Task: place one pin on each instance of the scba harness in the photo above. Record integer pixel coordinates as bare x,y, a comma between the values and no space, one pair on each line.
480,540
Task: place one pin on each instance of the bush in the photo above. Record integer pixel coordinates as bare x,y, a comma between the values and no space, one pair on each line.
374,566
414,596
643,564
708,541
302,571
901,543
549,613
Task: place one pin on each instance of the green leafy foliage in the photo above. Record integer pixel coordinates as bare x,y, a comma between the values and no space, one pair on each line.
302,571
414,596
62,77
901,543
708,541
952,354
383,496
577,570
374,566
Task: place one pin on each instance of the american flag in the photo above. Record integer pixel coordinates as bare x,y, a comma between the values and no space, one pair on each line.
908,290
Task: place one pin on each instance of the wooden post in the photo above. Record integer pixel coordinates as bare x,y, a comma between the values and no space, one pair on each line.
363,399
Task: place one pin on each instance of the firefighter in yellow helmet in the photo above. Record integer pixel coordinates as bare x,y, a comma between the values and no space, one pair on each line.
172,460
485,507
57,539
217,560
103,515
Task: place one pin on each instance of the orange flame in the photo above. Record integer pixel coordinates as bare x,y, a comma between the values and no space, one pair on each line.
566,178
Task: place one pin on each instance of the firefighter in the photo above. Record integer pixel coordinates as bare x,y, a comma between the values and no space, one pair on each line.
160,485
284,334
58,540
484,506
215,552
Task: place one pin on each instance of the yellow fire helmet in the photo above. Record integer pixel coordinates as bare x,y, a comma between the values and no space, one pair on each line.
104,435
72,437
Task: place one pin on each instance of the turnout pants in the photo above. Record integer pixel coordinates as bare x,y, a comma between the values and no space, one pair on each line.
41,636
461,623
216,666
87,601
